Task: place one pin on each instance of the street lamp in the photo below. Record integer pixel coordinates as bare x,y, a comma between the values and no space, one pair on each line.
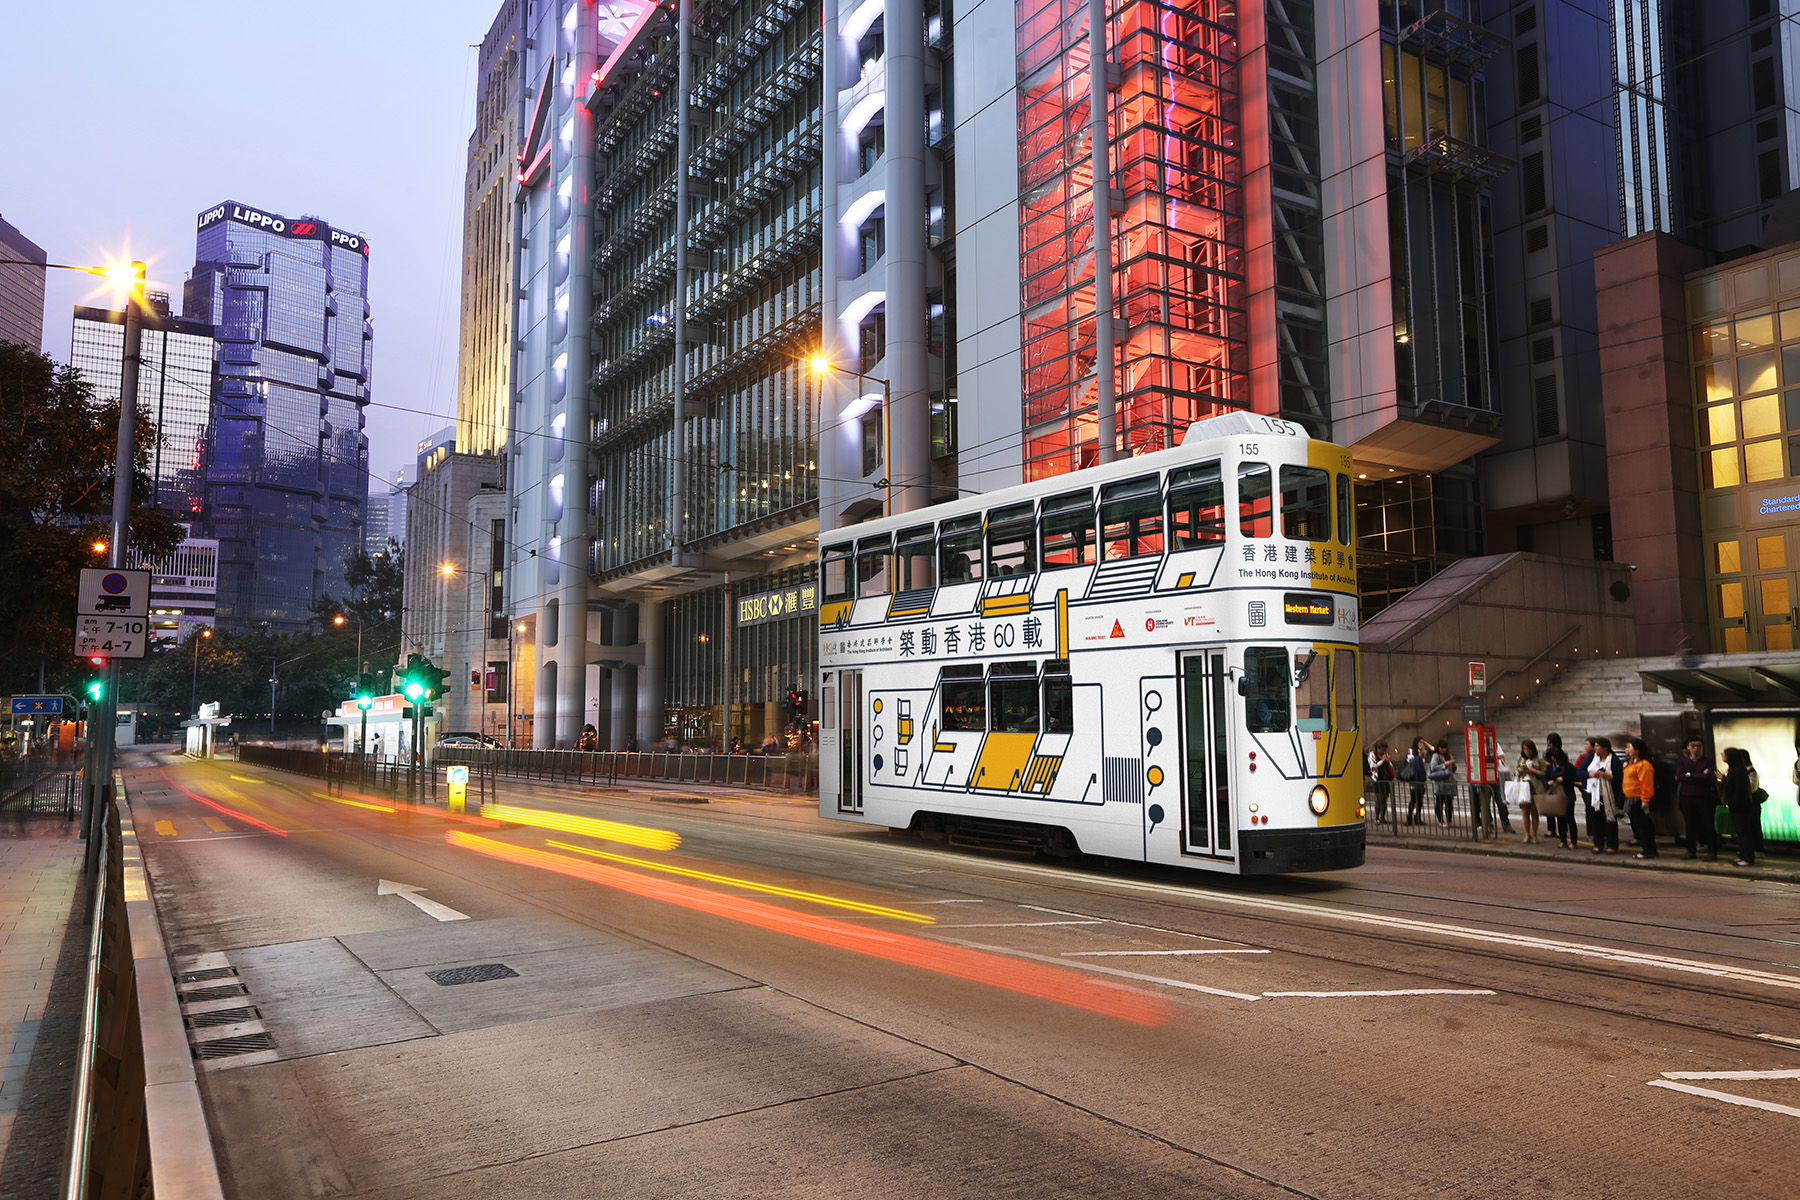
194,692
339,620
822,366
449,570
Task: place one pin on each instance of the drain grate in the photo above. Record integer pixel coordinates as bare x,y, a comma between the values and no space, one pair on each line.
221,1016
480,974
226,1047
207,973
221,992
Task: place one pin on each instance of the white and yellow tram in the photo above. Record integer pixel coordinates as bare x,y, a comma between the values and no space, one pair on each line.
1153,659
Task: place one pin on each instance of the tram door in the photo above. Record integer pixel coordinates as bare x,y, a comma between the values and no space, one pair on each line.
850,741
1206,716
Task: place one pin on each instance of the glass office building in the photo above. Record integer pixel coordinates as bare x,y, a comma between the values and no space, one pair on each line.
287,476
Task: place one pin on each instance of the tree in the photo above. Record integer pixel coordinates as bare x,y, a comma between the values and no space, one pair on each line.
374,583
57,448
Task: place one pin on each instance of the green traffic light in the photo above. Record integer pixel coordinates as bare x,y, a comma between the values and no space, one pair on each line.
414,689
365,702
95,689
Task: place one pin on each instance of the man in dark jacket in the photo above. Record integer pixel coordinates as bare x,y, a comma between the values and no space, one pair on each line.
1697,789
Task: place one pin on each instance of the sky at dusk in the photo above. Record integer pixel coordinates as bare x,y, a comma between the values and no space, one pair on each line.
122,122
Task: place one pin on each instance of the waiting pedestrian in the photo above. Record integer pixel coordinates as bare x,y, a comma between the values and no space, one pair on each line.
1413,772
1697,792
1441,770
1527,783
1604,769
1740,798
1561,785
1381,778
1639,786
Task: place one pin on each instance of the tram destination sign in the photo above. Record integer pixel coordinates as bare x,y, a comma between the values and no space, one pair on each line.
779,605
1308,608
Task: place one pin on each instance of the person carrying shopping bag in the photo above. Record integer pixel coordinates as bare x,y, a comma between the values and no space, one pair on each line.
1527,781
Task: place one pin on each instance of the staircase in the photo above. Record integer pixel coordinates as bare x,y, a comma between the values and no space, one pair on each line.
1600,697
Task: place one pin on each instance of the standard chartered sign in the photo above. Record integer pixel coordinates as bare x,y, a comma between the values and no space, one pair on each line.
778,605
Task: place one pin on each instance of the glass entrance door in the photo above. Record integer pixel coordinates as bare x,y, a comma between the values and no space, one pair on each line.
850,741
1205,736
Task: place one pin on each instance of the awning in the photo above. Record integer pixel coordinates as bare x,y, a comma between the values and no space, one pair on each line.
1730,680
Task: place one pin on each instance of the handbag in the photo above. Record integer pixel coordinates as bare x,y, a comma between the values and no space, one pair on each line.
1722,822
1554,802
1518,791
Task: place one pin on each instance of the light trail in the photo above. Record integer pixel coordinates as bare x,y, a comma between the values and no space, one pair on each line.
1056,984
386,808
875,910
217,807
611,831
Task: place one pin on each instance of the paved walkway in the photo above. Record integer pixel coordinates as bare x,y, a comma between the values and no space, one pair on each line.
41,909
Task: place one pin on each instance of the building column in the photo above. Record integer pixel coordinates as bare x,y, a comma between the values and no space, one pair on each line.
650,675
909,406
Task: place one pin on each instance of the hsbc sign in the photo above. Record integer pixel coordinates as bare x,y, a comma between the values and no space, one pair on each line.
257,219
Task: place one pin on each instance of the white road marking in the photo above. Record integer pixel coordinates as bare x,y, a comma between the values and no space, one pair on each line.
1148,953
1055,912
1411,924
1390,992
1174,983
1731,1074
410,894
1020,924
1776,1037
1727,1097
947,901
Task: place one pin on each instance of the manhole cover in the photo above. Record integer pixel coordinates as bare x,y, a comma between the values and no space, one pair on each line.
480,974
226,1047
223,991
221,1016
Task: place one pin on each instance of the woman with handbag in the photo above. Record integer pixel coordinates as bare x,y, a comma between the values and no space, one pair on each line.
1740,798
1527,782
1557,801
1441,770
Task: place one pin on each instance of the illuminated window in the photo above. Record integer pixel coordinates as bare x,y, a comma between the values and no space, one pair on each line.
1731,601
1753,333
1726,555
1774,596
1771,553
1721,424
1713,382
1724,466
1756,373
1763,461
1712,341
1761,416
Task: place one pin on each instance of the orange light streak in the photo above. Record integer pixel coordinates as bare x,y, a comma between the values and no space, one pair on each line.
958,962
230,812
594,827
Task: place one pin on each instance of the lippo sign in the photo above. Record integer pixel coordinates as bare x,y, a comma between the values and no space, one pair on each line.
285,226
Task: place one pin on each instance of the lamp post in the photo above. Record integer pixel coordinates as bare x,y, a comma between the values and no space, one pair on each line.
511,679
822,366
448,570
274,672
194,692
339,620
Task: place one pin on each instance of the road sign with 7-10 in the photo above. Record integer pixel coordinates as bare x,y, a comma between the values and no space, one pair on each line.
112,613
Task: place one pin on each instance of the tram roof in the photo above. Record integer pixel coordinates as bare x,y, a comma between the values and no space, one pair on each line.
1211,429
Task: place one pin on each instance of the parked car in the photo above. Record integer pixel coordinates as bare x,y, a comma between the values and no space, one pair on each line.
466,739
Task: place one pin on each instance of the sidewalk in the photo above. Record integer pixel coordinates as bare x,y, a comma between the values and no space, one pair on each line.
43,955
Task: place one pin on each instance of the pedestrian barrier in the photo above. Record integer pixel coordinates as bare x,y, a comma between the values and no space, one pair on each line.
137,1126
1471,812
796,772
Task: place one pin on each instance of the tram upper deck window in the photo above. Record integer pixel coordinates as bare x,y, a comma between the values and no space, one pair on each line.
963,699
1197,507
915,558
1131,517
1268,704
1345,509
872,556
1013,697
1069,530
1059,697
1306,504
1255,516
835,565
959,550
1012,540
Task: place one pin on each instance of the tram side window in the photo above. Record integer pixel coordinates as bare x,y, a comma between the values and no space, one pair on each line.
963,698
1313,685
1197,507
1343,675
1013,697
1069,530
872,556
1012,541
915,558
1306,504
1255,517
959,550
837,573
1059,697
1346,509
1267,701
1131,517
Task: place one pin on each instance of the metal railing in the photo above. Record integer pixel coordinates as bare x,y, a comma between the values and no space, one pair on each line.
797,772
1465,812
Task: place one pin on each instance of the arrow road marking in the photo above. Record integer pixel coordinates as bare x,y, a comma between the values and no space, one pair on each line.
410,893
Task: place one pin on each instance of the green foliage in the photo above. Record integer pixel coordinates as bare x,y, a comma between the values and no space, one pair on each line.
57,446
374,599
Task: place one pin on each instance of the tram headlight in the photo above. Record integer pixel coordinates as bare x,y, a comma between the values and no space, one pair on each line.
1319,800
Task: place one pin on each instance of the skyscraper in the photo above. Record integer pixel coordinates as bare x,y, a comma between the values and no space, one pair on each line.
287,472
21,290
175,382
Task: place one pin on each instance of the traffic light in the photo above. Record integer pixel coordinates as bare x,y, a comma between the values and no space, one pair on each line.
96,689
797,701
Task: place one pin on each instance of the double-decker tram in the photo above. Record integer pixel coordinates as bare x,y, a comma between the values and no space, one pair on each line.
1153,659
